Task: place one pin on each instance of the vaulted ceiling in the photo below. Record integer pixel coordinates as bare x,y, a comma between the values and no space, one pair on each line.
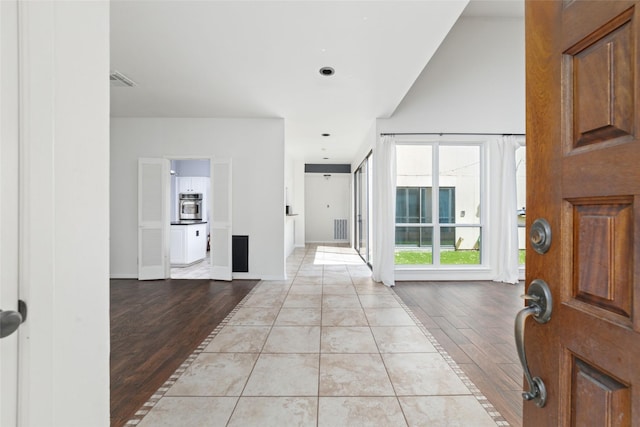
262,59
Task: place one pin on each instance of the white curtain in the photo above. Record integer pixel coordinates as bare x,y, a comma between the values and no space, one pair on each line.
384,210
503,155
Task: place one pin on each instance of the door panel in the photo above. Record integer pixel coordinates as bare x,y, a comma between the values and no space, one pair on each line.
598,399
602,256
221,220
582,116
153,219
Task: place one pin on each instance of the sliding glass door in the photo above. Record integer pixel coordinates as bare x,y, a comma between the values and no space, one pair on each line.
362,193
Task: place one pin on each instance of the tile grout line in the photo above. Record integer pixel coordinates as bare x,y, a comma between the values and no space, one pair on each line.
153,400
386,368
158,394
495,415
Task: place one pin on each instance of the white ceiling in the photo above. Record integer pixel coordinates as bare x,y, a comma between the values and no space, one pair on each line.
210,58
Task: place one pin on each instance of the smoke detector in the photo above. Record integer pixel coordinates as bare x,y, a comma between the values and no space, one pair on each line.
120,80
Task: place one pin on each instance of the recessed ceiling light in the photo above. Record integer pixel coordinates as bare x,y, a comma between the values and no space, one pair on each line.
327,71
326,134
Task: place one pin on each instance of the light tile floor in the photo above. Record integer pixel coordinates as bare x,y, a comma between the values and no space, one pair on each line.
328,347
199,270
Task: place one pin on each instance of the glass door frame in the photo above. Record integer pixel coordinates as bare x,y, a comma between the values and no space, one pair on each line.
436,145
362,193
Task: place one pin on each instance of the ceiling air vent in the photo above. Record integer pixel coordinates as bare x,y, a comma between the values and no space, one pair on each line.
119,79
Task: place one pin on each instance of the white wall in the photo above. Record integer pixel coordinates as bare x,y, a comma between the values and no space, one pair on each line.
473,84
256,147
289,193
294,186
326,199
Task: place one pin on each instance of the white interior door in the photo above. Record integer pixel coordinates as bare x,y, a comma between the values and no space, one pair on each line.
221,257
9,207
154,184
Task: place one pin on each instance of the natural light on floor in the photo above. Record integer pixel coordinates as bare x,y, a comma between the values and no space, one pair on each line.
332,255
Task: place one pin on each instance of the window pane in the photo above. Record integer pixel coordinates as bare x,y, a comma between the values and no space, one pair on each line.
447,205
420,248
447,238
457,202
401,205
460,245
426,214
413,205
414,166
522,243
521,197
407,236
459,180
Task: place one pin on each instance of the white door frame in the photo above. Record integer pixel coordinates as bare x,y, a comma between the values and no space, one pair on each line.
9,223
209,193
221,259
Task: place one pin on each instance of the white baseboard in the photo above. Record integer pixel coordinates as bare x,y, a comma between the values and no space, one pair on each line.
131,276
245,276
281,277
250,276
426,274
314,242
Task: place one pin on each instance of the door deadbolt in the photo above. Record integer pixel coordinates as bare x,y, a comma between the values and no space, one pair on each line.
540,235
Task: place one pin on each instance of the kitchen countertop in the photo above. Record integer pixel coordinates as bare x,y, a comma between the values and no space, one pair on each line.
188,222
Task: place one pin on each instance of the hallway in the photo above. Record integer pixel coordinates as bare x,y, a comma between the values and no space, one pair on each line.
328,347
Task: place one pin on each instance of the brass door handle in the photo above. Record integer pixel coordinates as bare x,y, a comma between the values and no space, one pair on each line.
540,306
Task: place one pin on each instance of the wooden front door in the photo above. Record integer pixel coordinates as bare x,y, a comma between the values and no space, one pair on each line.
583,154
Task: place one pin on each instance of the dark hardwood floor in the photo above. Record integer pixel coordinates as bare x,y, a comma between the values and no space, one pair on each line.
155,326
474,323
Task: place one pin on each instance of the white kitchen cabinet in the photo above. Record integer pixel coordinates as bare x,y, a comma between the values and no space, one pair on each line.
192,184
188,243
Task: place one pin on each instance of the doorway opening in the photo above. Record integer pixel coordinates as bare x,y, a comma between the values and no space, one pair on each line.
190,230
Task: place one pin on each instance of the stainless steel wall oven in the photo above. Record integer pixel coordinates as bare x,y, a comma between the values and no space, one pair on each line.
190,206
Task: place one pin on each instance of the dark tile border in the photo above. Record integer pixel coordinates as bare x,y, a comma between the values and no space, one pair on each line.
480,397
475,391
153,400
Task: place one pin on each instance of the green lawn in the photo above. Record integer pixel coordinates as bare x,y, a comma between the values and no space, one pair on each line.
446,257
